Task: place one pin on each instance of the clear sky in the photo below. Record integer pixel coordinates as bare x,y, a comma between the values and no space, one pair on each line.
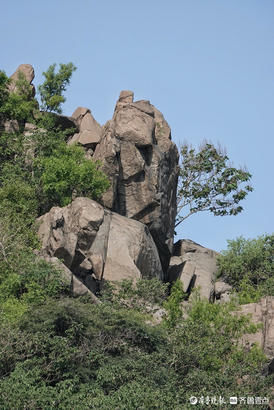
208,65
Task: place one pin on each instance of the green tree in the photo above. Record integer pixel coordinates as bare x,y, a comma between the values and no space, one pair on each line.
248,265
4,93
67,173
51,91
173,304
207,182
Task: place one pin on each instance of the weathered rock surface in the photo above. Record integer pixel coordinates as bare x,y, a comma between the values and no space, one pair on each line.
9,126
28,71
195,266
261,312
77,287
89,134
95,243
222,291
141,162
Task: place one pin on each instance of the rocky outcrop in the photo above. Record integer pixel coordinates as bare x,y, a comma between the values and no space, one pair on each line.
96,244
195,266
262,313
76,286
141,162
28,72
89,134
222,291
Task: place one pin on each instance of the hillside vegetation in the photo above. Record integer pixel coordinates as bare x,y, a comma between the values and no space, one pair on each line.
61,352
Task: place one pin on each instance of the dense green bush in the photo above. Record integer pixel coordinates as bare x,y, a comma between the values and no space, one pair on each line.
67,353
144,295
66,173
248,265
173,304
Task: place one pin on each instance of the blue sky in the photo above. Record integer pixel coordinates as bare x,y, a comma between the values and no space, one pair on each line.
208,65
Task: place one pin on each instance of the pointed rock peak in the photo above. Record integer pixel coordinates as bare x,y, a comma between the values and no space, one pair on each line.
28,72
26,69
126,96
79,113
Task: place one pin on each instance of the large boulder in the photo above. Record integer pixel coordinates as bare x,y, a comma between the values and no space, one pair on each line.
28,72
89,134
96,244
76,286
195,266
141,162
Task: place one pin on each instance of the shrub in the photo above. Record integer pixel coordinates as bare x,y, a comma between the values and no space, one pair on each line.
173,304
249,263
66,173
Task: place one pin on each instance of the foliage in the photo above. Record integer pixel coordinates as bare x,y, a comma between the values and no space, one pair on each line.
4,93
25,280
248,265
51,91
173,304
18,104
145,295
208,183
67,353
66,173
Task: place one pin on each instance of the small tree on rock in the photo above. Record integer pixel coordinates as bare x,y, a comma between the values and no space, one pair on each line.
51,91
207,182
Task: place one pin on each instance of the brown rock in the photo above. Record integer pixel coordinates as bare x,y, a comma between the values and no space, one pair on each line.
28,72
10,126
195,266
261,312
89,130
97,244
222,291
77,287
141,163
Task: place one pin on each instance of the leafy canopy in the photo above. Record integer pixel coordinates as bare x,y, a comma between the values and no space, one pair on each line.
248,265
208,183
67,172
51,91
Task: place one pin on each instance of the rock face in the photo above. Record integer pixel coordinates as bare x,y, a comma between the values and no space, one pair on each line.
261,312
195,266
77,287
89,134
222,291
97,244
28,71
142,164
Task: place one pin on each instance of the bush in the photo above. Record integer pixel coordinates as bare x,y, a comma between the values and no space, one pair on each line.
144,295
68,353
248,266
173,304
66,173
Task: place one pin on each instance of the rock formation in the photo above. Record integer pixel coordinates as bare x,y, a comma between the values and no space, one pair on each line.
142,163
28,72
89,134
95,243
261,312
195,266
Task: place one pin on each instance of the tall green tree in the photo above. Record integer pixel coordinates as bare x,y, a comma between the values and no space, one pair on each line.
207,182
51,91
